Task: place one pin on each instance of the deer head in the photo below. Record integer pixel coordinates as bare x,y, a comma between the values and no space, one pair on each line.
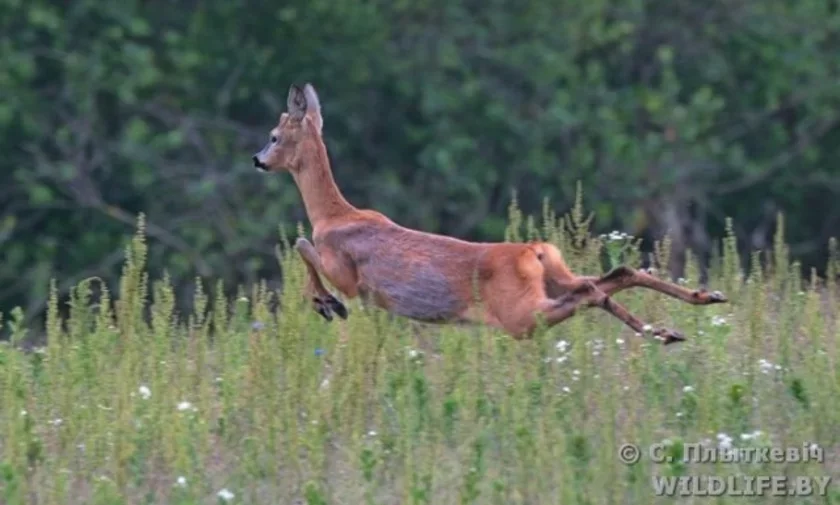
296,135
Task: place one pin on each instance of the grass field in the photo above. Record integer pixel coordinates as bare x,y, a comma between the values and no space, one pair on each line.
256,402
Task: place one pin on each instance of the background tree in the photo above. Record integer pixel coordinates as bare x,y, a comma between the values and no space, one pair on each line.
673,114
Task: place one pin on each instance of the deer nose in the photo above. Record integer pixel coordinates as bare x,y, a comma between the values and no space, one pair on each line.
257,163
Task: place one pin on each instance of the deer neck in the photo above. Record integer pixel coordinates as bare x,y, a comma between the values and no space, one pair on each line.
321,196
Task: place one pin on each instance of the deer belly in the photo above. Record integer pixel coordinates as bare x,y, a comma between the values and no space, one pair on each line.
421,293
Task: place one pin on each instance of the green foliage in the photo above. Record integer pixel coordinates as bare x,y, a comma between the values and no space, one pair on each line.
256,399
672,115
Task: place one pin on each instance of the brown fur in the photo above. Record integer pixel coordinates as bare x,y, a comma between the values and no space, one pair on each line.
429,277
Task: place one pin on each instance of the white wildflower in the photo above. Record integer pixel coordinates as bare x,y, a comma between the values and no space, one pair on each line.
372,433
618,236
145,392
718,321
724,441
225,495
598,347
181,481
765,366
562,345
184,406
647,328
566,389
619,341
688,389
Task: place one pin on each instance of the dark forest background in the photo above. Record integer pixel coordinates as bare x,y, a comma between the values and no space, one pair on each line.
673,115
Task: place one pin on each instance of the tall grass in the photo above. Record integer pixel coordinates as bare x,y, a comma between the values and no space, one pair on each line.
258,400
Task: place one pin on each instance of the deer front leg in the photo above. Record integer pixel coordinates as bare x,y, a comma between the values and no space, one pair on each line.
323,301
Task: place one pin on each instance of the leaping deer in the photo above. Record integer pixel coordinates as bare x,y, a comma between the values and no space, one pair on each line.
429,277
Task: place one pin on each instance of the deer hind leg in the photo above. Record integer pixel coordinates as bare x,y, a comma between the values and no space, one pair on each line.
323,301
552,291
578,294
586,293
624,277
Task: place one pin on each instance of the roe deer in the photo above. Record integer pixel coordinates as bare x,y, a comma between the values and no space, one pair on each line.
429,277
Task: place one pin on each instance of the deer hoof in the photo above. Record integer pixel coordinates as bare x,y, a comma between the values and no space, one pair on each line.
717,297
337,307
669,336
322,308
328,305
706,298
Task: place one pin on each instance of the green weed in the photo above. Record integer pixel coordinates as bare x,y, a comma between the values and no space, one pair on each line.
258,400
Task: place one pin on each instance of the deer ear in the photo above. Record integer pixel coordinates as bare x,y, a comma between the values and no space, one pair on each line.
313,106
296,103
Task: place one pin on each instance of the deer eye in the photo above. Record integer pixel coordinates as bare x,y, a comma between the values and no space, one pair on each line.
273,139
